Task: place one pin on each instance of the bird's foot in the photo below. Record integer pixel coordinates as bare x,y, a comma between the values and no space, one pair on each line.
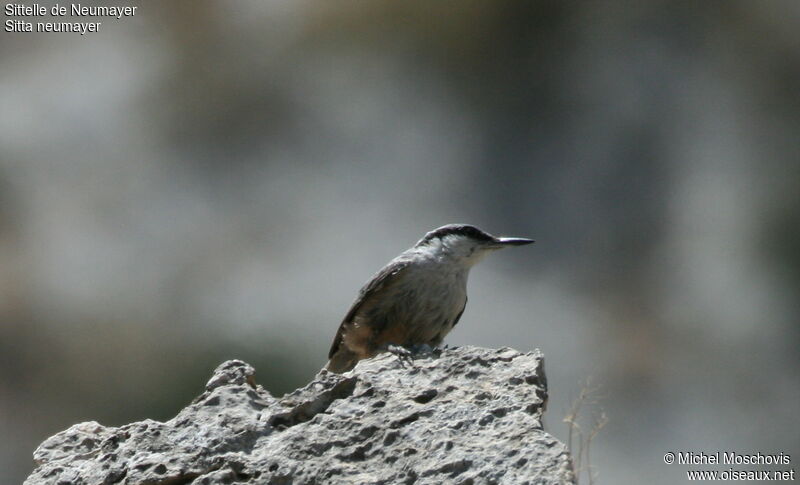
407,353
404,354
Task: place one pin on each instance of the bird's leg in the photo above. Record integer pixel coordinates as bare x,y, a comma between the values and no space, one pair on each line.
407,353
404,354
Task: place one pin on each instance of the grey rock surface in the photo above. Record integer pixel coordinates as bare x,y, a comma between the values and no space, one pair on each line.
462,416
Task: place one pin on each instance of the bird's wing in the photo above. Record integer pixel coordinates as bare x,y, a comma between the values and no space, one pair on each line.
458,317
385,278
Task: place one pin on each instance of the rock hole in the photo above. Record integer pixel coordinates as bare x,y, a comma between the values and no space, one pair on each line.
409,419
499,412
390,438
426,396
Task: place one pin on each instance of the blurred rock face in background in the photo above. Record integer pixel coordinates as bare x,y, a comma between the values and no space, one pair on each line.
216,179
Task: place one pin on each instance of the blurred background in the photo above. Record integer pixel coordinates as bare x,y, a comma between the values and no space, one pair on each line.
215,179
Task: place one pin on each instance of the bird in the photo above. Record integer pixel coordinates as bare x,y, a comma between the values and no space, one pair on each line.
417,298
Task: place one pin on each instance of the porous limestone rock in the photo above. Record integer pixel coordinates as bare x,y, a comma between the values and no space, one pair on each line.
455,416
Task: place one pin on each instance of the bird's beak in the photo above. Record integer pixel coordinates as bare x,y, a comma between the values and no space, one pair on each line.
503,242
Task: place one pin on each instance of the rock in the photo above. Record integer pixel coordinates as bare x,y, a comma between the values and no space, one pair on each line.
462,416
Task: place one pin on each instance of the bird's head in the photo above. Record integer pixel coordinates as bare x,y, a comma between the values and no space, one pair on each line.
464,243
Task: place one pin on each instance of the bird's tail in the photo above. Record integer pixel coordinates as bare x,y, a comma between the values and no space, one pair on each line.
342,361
